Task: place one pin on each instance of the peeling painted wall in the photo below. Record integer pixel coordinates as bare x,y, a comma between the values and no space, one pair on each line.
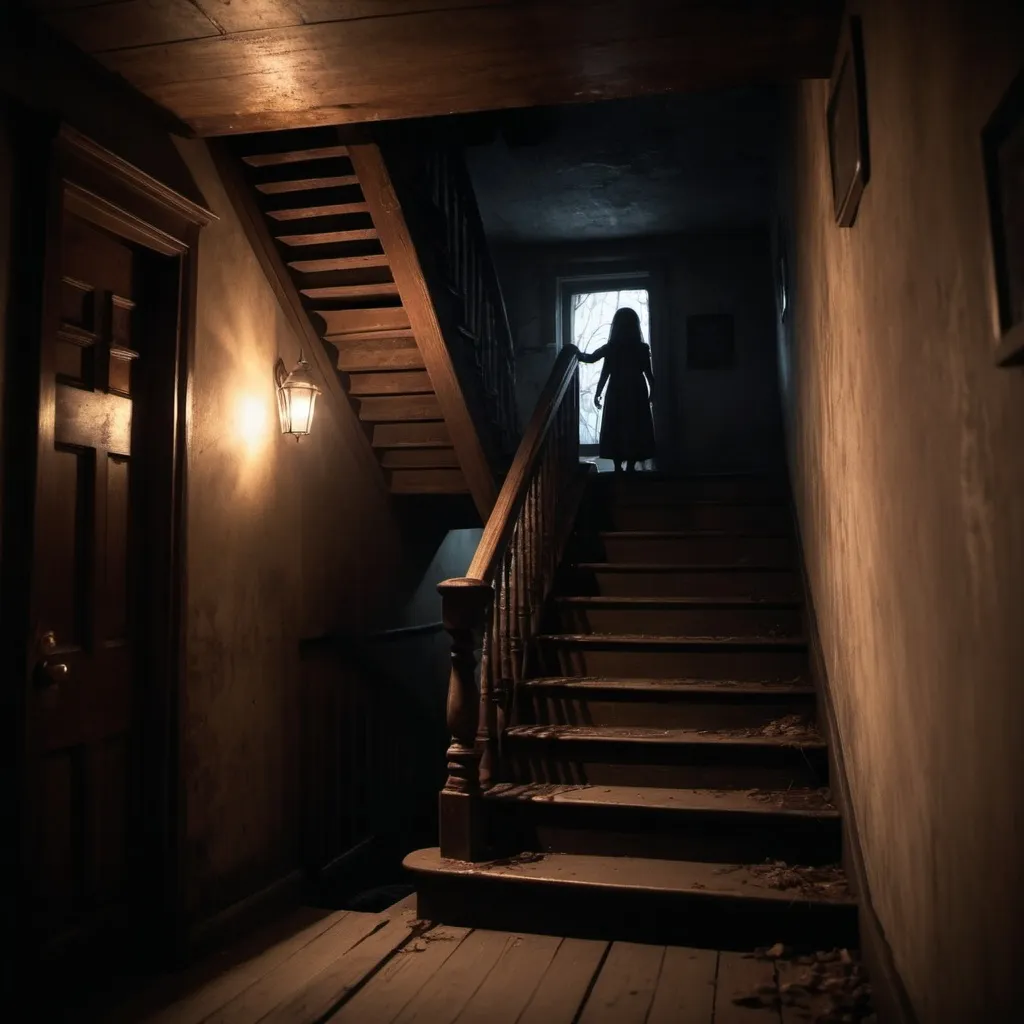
905,445
285,540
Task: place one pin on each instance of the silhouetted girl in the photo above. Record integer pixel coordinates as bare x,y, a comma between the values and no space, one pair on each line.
627,430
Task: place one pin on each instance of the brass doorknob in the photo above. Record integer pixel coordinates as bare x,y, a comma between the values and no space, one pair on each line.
48,672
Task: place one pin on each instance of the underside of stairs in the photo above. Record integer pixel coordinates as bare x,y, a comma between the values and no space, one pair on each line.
343,245
662,777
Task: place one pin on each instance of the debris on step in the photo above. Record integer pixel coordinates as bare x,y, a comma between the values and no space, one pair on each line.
827,881
829,987
795,799
789,726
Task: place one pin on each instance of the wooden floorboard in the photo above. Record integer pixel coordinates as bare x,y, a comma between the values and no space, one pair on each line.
625,988
505,992
566,983
342,967
686,987
741,979
390,991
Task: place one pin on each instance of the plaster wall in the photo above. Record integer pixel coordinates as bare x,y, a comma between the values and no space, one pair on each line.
286,540
705,420
904,441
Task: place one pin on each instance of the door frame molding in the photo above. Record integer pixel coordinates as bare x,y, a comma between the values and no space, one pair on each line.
58,168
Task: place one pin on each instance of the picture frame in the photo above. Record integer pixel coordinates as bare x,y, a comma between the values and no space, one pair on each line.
782,290
1002,143
847,125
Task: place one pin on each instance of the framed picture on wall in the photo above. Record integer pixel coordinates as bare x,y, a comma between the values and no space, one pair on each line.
1003,149
781,271
847,123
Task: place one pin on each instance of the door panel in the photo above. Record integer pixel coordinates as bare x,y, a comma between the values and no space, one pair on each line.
84,699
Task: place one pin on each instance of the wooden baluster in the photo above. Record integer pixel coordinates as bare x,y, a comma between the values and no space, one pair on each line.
519,620
490,686
465,604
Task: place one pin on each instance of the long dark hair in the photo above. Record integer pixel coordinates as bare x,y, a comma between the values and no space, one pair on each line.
625,330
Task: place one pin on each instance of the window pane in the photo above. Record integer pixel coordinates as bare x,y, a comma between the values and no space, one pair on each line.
592,314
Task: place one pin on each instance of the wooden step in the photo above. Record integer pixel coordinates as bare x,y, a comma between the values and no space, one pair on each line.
642,656
316,212
678,616
329,237
307,184
684,547
672,703
395,382
640,899
342,322
714,486
419,458
411,435
399,408
351,292
376,352
427,481
693,515
622,579
295,156
799,826
689,758
339,263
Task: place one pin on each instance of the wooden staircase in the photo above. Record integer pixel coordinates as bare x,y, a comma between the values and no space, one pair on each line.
660,774
336,236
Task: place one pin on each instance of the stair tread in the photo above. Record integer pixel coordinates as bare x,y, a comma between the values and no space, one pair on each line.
699,878
795,802
705,534
738,566
727,601
668,686
749,737
295,156
314,212
651,640
308,184
307,238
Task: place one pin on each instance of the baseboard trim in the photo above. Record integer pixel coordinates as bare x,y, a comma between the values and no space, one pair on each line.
282,895
890,995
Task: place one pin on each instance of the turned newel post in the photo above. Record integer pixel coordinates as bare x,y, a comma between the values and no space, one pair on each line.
465,606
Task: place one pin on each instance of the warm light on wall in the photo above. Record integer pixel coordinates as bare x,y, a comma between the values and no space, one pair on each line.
296,398
251,420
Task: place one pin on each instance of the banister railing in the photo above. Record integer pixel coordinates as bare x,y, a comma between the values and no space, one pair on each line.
493,613
433,186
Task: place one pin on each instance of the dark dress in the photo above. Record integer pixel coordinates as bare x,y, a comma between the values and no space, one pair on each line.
627,430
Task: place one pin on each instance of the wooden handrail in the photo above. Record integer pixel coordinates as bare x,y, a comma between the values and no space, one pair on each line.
510,501
494,612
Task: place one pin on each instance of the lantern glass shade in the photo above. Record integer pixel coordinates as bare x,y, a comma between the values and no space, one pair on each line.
296,398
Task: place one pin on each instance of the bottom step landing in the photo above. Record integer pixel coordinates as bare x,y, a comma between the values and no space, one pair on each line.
640,899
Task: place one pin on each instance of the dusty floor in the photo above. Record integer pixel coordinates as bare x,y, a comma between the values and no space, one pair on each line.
346,966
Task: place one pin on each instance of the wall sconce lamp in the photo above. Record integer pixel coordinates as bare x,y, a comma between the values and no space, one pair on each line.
296,398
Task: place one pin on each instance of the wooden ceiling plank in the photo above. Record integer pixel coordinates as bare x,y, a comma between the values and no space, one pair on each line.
132,23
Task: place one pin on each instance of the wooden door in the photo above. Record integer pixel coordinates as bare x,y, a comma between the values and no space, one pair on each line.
82,706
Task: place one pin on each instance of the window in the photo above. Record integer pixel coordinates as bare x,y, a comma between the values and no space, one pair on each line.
588,325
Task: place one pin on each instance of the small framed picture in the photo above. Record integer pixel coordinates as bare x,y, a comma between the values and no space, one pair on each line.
781,272
847,123
1002,141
